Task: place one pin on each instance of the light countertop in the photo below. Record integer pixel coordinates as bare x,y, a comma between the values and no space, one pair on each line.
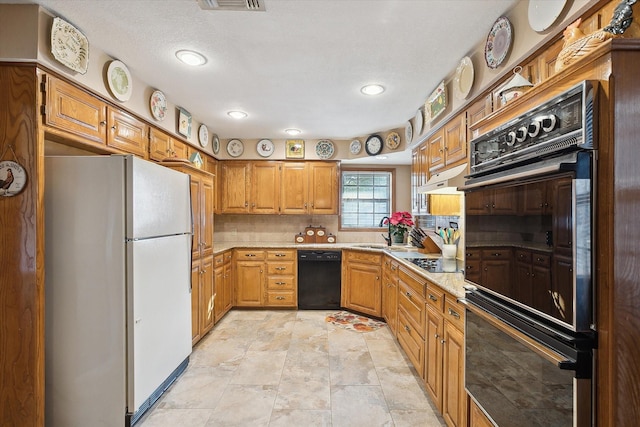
450,282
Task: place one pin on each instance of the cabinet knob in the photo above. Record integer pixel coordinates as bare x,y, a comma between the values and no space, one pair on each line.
103,123
408,294
113,127
442,341
406,328
436,336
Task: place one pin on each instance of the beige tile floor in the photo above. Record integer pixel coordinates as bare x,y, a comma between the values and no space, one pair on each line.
291,368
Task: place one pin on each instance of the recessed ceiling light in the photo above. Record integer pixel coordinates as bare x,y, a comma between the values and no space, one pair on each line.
381,157
372,89
293,131
237,114
190,57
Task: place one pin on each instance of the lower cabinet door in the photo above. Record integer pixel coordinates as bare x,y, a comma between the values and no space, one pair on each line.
454,397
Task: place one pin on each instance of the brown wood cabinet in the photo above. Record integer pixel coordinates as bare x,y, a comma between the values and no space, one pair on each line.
454,397
203,270
448,146
498,201
361,282
390,269
309,188
266,278
282,278
477,418
223,285
412,316
477,111
445,204
272,187
162,146
75,113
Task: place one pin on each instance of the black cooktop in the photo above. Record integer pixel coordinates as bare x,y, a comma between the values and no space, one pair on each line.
437,265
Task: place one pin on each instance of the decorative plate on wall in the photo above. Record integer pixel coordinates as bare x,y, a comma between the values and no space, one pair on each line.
325,149
119,81
158,105
408,132
235,148
203,135
265,147
216,144
355,146
392,141
463,80
69,46
418,122
543,13
498,42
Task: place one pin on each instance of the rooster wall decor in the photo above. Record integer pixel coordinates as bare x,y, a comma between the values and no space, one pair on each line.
12,178
577,45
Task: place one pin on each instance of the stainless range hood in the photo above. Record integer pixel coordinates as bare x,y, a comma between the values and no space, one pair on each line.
446,182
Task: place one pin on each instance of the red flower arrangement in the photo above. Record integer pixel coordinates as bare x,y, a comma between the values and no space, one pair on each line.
401,222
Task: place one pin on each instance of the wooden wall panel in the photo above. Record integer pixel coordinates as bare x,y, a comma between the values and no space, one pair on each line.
21,252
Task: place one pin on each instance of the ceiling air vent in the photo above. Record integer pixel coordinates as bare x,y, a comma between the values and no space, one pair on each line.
246,5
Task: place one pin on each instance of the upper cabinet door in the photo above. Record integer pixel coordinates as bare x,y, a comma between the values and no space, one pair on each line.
265,188
75,111
235,187
294,193
323,188
127,133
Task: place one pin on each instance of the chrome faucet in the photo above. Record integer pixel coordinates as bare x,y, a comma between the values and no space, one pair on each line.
387,238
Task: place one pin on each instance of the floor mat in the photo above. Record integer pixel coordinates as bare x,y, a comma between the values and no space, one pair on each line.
354,322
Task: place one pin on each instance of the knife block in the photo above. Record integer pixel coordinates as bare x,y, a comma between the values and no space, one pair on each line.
430,246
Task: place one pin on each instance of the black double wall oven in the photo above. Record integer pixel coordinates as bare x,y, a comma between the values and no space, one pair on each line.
529,212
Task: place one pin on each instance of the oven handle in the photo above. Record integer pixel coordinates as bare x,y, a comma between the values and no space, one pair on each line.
558,359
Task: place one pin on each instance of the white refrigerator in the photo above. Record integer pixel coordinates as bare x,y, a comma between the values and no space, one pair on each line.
118,233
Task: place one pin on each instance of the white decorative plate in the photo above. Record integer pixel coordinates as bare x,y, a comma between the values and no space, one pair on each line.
543,13
235,148
355,147
392,141
408,132
158,105
69,46
325,149
203,135
463,80
498,42
265,147
216,144
119,81
418,122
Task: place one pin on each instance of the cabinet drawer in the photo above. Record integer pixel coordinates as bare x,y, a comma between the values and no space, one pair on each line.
367,257
543,260
281,254
413,306
411,342
281,283
472,269
412,280
248,254
497,253
218,260
471,254
286,298
523,256
435,297
454,312
281,267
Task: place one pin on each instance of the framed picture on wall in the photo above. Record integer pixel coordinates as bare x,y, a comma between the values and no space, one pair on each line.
294,149
184,122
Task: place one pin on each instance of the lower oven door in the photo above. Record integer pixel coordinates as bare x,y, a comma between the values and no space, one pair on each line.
518,381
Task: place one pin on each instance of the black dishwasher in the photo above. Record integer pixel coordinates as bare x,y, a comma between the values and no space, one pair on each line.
319,279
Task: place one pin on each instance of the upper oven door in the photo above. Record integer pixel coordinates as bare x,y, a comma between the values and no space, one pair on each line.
529,238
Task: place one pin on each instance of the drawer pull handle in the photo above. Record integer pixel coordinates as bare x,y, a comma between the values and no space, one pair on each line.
280,298
281,268
453,313
281,254
250,255
281,283
432,298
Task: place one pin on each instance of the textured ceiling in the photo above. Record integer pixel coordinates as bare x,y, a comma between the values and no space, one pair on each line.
299,64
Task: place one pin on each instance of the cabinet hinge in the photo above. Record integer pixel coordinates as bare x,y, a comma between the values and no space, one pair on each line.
43,109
